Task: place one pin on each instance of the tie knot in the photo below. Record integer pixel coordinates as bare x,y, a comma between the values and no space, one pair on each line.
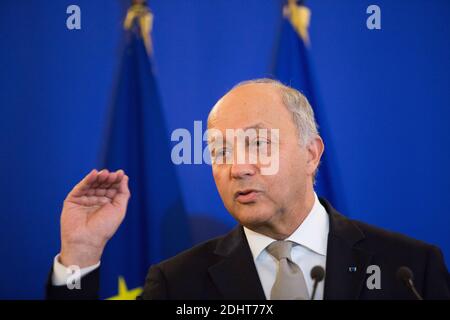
280,249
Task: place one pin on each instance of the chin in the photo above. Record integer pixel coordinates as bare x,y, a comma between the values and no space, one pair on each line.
252,216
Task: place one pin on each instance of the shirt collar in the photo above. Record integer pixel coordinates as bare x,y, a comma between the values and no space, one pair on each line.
312,233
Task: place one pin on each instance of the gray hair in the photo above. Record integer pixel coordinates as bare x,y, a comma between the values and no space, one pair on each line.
298,104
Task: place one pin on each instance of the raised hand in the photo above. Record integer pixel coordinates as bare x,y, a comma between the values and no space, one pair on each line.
92,213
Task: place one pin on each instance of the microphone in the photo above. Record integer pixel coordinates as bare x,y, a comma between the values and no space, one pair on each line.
317,274
405,275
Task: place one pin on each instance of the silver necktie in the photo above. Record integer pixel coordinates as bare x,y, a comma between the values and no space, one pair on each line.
289,282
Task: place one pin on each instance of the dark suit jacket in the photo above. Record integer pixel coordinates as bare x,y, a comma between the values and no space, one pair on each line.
223,268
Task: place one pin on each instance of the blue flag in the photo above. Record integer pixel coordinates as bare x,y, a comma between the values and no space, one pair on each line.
137,141
291,66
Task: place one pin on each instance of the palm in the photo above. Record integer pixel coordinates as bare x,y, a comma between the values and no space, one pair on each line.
95,207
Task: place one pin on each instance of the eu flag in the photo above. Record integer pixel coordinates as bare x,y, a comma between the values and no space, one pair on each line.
137,141
292,67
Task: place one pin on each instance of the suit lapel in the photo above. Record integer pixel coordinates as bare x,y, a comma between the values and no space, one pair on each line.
346,260
235,275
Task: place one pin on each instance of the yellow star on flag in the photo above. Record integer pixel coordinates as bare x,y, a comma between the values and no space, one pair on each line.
124,293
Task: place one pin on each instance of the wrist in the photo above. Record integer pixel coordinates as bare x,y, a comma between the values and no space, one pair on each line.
79,255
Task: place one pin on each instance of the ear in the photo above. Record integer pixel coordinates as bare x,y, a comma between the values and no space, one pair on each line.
315,150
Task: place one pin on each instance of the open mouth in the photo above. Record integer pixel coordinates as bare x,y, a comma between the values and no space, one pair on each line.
246,196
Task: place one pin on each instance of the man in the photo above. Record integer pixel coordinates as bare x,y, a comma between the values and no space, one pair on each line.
284,228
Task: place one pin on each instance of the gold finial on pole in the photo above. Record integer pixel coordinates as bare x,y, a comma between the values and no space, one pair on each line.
140,13
299,16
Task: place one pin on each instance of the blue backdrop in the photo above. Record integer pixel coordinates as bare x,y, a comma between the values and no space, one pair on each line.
384,93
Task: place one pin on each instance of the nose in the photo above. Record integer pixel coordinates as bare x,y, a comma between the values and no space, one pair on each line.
242,171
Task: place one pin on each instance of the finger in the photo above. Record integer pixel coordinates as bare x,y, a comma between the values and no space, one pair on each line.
109,180
84,184
116,183
120,175
112,182
94,200
110,193
123,187
102,176
121,198
96,192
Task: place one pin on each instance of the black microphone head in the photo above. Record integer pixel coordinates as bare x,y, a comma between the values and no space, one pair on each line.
404,274
317,273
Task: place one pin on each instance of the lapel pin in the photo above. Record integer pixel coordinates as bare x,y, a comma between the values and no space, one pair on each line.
352,269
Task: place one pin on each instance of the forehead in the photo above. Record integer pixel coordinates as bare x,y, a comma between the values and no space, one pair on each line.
248,105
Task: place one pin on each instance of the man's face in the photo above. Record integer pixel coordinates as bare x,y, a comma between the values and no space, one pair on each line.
253,198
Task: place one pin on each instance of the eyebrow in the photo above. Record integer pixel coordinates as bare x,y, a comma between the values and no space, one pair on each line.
259,125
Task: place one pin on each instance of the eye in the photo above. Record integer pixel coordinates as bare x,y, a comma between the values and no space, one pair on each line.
224,152
220,154
260,142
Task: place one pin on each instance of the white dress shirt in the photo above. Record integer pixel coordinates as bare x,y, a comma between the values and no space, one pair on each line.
311,237
61,274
